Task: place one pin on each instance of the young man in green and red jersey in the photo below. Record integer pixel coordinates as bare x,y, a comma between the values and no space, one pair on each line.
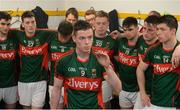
148,39
33,51
102,41
58,47
89,16
8,63
82,71
165,75
127,63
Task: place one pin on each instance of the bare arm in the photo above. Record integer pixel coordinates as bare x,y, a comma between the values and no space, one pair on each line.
141,82
56,93
113,79
111,76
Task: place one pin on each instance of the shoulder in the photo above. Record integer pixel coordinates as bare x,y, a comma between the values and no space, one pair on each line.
67,55
154,48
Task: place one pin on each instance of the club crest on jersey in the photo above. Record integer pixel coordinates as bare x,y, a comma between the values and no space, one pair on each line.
3,46
94,73
62,49
37,42
107,44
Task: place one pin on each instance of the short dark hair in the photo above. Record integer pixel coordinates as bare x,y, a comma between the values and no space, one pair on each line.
129,21
5,15
81,25
72,11
170,21
65,28
152,20
102,13
27,14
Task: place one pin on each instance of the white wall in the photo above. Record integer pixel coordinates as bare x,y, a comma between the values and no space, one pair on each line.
31,4
127,6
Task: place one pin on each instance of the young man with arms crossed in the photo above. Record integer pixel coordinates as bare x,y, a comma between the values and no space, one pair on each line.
82,71
127,63
102,41
8,63
165,75
58,47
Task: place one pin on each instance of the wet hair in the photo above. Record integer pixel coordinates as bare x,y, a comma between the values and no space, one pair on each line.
129,21
81,25
27,14
72,11
5,15
170,21
65,28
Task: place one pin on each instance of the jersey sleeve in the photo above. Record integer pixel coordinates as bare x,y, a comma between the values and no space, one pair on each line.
50,35
148,57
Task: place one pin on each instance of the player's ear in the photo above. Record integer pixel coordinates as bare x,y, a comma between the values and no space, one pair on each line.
73,37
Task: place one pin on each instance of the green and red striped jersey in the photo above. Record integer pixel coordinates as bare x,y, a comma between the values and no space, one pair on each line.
143,46
82,81
127,64
106,44
57,49
9,62
165,76
33,53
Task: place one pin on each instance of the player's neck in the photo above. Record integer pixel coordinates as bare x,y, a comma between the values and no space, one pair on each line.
30,34
170,44
100,35
3,37
133,41
83,56
151,41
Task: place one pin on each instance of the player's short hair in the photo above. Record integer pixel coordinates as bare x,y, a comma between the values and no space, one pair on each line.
81,25
65,28
130,21
72,11
27,14
5,15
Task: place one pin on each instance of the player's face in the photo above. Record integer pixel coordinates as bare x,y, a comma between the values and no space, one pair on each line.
71,18
164,33
90,19
29,24
101,25
83,40
131,32
149,31
4,26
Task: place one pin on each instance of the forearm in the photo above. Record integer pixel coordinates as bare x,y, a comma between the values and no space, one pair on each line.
56,92
113,79
141,80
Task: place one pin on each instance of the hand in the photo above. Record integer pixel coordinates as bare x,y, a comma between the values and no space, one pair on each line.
103,58
145,99
176,57
115,34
